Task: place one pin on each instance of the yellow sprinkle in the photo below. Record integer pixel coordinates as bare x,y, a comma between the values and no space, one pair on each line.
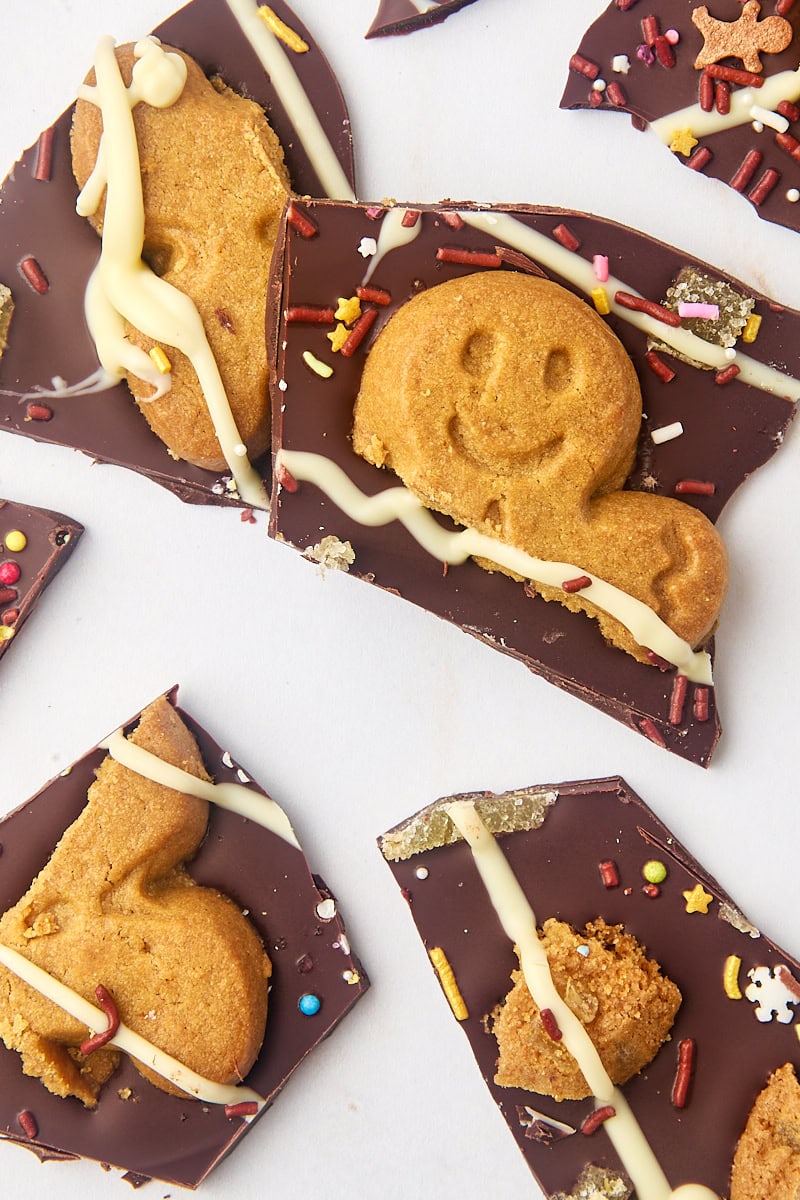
750,331
16,541
349,310
600,297
683,142
337,337
351,977
697,901
317,366
6,632
730,977
160,359
448,982
281,30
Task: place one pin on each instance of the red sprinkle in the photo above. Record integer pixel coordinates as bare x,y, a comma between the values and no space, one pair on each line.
695,487
747,170
764,186
27,1123
374,213
30,270
595,98
312,314
745,78
652,732
639,304
302,223
106,1002
657,365
38,412
722,97
616,94
247,517
6,594
224,319
788,110
652,891
699,159
10,616
625,4
584,66
706,92
566,237
44,156
683,1075
471,258
677,699
609,873
9,571
650,30
576,585
664,51
700,706
597,1118
453,219
787,142
410,218
371,295
783,7
359,332
551,1024
245,1108
286,479
658,661
726,375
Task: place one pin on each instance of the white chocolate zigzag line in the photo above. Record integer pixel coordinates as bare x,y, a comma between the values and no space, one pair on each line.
519,922
580,272
399,504
294,98
785,85
125,1039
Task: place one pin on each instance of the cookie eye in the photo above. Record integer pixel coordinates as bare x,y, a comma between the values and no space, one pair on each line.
478,352
557,370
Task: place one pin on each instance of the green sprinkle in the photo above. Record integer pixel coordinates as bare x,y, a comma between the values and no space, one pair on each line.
654,871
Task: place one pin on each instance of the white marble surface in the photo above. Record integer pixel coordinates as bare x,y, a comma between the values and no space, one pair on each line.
351,707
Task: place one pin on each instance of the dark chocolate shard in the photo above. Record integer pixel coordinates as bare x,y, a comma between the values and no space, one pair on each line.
48,338
49,539
157,1135
728,431
655,79
404,16
557,864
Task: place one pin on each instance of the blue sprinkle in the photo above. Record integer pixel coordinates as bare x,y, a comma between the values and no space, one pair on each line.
309,1004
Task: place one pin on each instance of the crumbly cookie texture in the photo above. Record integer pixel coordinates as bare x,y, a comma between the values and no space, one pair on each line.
505,402
214,185
767,1159
6,313
626,1004
115,906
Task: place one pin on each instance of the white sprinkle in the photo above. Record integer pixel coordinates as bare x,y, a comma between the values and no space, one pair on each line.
672,36
282,385
326,909
240,775
240,450
758,127
227,761
421,872
350,976
730,353
599,85
621,64
793,195
367,247
583,951
342,945
765,117
667,433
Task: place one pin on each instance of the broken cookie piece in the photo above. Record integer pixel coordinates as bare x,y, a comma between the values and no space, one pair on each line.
119,959
6,313
767,1161
578,890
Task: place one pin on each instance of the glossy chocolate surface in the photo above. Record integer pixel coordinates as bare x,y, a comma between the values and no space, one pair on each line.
48,335
729,431
655,91
151,1133
51,538
558,867
403,16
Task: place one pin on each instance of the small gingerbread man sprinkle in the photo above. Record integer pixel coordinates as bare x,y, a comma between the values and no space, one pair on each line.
745,38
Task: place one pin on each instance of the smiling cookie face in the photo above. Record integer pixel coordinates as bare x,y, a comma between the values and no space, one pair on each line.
505,402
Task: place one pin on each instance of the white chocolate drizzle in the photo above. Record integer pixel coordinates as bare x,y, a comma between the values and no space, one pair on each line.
393,234
423,6
580,273
235,797
126,1039
785,85
294,99
122,287
518,919
399,504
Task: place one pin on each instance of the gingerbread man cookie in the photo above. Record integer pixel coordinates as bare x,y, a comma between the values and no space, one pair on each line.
745,38
505,402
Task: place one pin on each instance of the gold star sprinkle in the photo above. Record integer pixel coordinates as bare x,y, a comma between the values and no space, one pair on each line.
697,900
337,337
349,310
683,142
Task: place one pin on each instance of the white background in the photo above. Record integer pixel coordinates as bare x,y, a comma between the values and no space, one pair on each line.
351,707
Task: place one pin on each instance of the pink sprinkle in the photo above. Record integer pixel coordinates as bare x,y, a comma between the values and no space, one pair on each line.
645,54
672,36
600,264
9,572
286,479
374,213
707,312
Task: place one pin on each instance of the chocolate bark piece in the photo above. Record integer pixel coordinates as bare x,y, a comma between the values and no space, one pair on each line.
48,335
659,79
556,837
404,16
49,539
729,430
136,1127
